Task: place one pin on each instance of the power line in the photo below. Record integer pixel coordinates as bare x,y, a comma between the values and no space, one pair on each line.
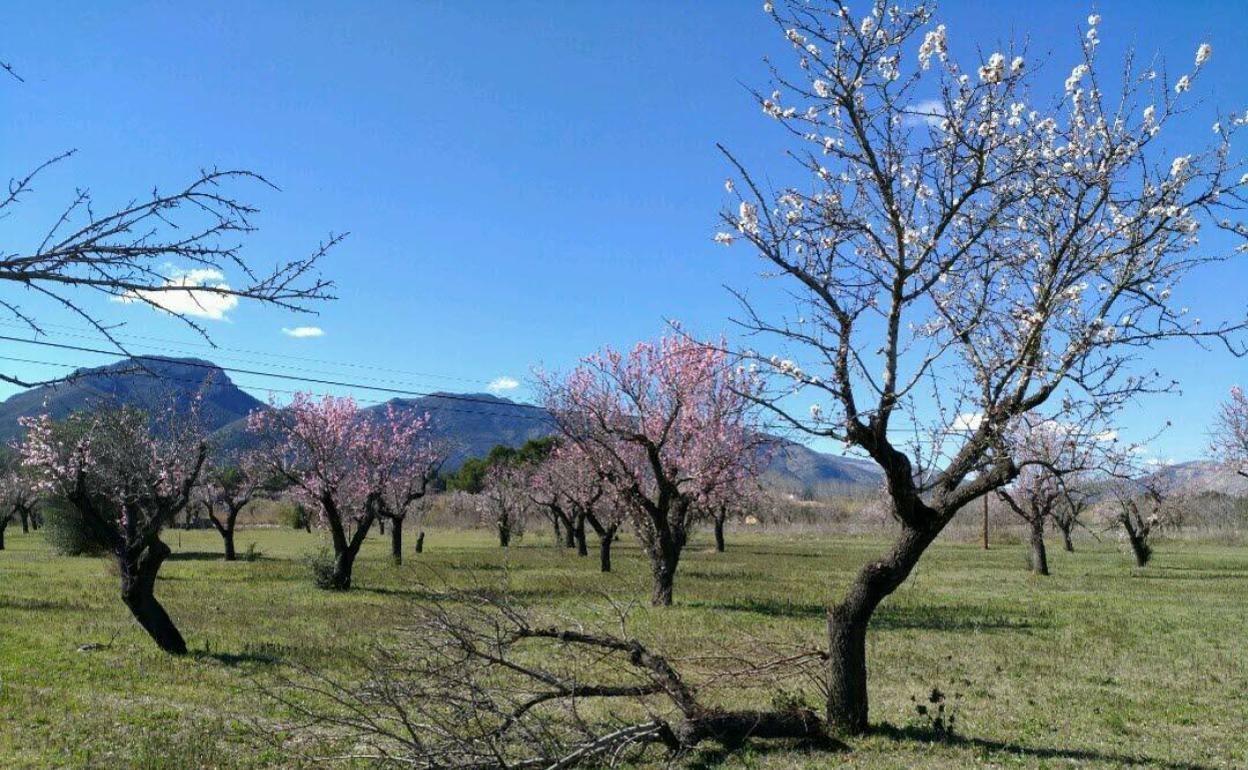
290,377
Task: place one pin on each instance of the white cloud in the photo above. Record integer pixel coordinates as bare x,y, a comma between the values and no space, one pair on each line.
503,383
304,331
929,111
197,304
967,421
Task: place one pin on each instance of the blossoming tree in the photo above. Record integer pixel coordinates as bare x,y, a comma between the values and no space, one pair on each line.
128,475
1230,432
1049,456
963,249
403,468
346,462
659,424
504,501
569,485
17,495
226,491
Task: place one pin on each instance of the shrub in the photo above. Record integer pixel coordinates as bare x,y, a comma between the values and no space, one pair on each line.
67,531
321,564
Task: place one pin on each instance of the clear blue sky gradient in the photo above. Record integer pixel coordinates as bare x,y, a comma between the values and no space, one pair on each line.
523,181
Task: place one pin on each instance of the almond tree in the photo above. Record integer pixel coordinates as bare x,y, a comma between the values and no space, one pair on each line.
963,249
1230,432
128,478
1048,454
405,468
658,423
17,495
226,491
340,459
569,486
504,500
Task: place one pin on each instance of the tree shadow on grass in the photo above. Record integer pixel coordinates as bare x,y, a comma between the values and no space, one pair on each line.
928,736
240,658
197,556
935,618
710,757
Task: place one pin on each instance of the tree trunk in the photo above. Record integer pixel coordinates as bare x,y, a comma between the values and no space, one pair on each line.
396,542
604,551
228,536
719,535
138,584
582,548
664,571
848,621
344,563
3,526
504,534
1067,543
420,542
558,530
381,526
569,535
25,520
1139,548
1039,557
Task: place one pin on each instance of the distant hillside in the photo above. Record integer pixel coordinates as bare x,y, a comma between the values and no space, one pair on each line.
472,423
149,385
1200,476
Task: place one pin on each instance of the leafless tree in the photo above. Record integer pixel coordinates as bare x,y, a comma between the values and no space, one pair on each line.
964,251
1144,503
476,683
175,251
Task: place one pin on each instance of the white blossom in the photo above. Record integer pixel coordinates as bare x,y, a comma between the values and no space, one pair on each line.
1203,53
1184,84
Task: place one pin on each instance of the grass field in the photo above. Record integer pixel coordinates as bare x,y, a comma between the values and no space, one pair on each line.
1100,665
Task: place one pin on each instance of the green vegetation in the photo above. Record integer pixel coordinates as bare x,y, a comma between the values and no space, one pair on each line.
470,477
1100,666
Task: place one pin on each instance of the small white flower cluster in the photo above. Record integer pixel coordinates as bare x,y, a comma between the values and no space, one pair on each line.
934,44
1203,53
747,218
1076,75
994,70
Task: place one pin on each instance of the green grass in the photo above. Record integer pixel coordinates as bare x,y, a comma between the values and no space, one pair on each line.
1100,665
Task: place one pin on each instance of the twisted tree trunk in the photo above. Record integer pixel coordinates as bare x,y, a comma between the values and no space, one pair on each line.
138,584
582,548
847,627
1067,542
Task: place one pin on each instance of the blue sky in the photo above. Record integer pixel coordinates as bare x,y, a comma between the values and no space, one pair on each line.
523,181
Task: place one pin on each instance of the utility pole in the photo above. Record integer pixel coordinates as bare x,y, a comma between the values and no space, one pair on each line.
985,522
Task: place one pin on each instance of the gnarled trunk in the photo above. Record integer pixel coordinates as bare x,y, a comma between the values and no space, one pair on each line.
1039,557
230,554
345,549
847,705
558,530
719,535
504,534
138,584
25,517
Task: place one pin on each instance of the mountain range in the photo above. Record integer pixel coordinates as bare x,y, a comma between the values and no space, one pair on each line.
472,423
